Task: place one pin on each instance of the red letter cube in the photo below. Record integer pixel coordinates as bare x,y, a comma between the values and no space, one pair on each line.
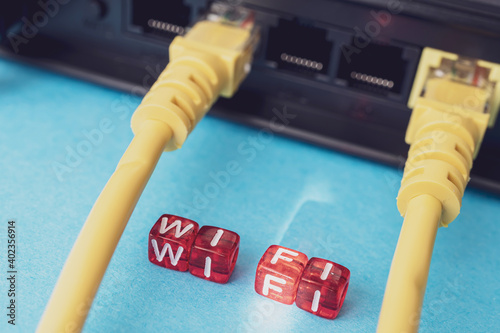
322,288
214,254
278,273
170,242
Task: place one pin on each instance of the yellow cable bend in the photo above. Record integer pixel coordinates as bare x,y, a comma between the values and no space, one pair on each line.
212,59
407,280
94,247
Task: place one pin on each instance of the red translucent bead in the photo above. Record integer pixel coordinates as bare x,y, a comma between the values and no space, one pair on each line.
214,254
322,288
170,242
278,273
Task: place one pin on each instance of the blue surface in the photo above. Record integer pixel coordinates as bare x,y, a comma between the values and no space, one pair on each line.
313,200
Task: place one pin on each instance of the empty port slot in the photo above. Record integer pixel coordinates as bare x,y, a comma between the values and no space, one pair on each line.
376,68
299,48
161,18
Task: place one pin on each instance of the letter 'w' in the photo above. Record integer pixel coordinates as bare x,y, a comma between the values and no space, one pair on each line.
160,256
177,225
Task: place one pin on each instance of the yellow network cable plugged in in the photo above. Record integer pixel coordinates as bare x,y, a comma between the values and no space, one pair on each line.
454,100
211,60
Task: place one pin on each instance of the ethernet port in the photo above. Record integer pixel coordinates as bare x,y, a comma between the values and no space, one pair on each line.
376,68
299,48
159,17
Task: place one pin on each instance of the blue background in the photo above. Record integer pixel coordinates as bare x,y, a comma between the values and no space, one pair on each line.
317,201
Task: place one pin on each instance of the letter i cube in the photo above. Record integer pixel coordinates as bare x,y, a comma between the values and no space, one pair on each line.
278,273
322,288
214,254
170,242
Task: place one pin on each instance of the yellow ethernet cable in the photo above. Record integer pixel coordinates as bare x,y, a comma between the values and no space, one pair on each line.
454,99
212,59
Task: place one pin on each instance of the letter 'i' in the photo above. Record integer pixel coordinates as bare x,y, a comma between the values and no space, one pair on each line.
214,254
208,260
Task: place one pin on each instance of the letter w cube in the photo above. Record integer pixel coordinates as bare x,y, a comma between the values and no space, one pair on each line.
170,241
